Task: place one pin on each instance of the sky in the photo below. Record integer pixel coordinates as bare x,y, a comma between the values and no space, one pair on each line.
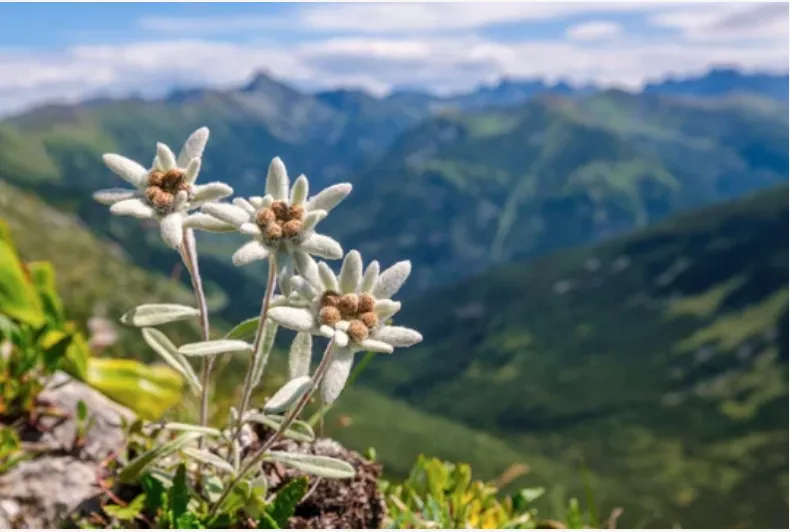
67,52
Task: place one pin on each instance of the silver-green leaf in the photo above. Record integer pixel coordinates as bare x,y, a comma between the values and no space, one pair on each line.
322,466
209,458
214,347
286,396
133,469
162,345
158,314
298,430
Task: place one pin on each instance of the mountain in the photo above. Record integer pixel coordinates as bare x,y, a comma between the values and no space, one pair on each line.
723,82
659,359
462,191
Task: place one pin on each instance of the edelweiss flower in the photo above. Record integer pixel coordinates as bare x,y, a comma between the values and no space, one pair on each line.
352,309
283,224
167,191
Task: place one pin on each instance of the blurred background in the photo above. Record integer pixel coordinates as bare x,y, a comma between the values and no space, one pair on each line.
593,197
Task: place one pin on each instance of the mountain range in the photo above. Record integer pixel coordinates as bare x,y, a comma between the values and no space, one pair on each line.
570,309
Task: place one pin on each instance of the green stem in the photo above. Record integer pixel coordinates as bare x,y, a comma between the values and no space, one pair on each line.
260,454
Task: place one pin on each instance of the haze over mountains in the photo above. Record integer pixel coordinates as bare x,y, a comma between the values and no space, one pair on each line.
656,356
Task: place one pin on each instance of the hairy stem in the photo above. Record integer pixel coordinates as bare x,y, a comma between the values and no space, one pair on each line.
260,454
189,256
246,393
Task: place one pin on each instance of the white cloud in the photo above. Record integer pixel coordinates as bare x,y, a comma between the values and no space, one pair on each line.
727,21
594,30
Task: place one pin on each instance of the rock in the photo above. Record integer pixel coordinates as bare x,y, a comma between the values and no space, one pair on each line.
42,492
332,503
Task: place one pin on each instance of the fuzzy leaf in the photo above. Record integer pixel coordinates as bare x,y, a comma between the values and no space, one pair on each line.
286,396
244,330
136,467
209,458
298,430
197,429
158,314
214,347
262,356
167,350
299,355
322,466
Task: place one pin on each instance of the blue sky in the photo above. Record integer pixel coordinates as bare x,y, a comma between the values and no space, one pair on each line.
61,51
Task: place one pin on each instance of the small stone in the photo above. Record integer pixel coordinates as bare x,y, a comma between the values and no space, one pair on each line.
357,331
265,217
329,316
280,210
366,303
370,319
274,232
295,212
348,304
292,228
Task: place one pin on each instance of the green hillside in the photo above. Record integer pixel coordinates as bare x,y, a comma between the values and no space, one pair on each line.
659,359
463,191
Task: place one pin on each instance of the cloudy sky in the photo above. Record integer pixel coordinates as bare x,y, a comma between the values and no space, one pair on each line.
72,51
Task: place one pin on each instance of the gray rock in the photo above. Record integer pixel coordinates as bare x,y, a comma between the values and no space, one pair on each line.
42,492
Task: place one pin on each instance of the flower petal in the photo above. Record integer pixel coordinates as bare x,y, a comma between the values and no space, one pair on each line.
206,222
326,331
132,207
166,157
336,374
306,267
329,198
256,201
386,308
398,336
250,252
391,279
180,200
351,272
328,277
297,319
250,229
210,192
341,338
113,195
299,355
370,277
322,246
244,204
311,219
285,271
227,212
192,170
299,190
193,147
172,229
127,169
277,180
376,346
303,288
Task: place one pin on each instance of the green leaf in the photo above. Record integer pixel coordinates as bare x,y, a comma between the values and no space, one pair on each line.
286,500
136,467
43,276
162,345
178,495
154,493
82,410
148,390
158,314
130,512
188,521
286,396
244,330
267,522
214,487
210,458
214,347
322,466
18,295
208,431
298,430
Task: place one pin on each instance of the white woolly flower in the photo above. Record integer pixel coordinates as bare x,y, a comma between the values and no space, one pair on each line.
351,308
167,191
282,223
